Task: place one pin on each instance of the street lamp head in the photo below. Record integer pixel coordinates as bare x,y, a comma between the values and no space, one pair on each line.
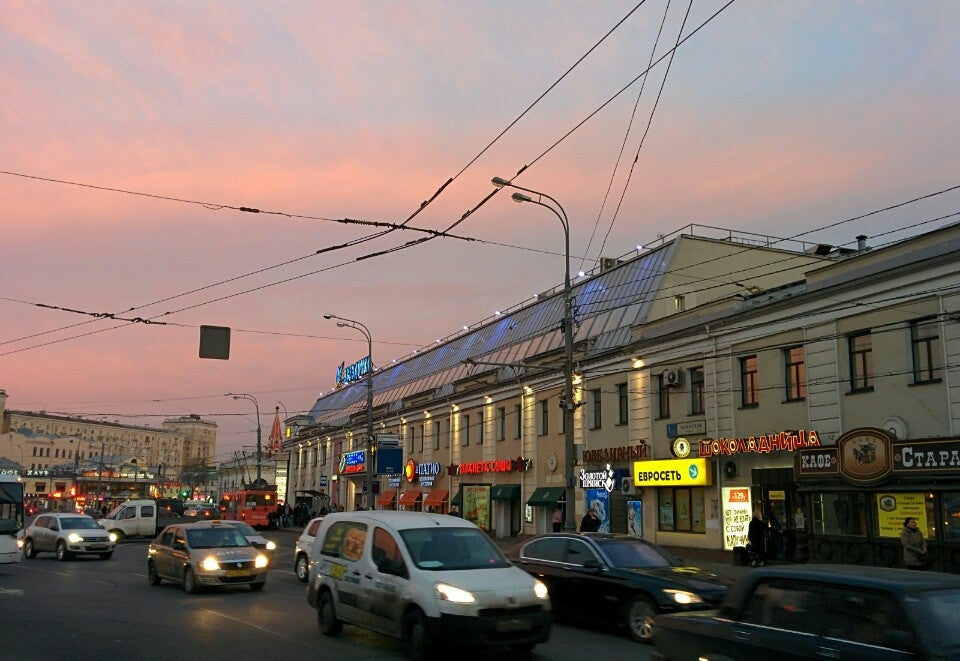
520,197
499,182
329,316
340,324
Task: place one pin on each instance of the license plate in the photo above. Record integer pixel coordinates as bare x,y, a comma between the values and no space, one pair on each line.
235,572
98,547
512,624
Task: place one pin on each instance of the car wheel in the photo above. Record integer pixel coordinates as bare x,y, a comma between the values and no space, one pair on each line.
327,616
416,636
189,581
302,568
106,556
62,553
152,576
638,615
256,587
28,549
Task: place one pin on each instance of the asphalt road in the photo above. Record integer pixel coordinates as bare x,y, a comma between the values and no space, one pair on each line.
89,608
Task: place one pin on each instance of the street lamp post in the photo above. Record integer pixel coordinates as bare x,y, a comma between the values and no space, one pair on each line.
256,405
368,458
569,522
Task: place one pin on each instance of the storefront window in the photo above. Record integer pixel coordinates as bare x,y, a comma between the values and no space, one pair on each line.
951,516
839,514
682,510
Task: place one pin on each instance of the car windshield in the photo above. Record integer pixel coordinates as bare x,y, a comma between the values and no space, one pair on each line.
939,608
77,523
244,528
444,549
214,538
631,553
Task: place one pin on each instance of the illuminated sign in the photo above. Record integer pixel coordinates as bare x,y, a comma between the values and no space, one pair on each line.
597,479
671,472
426,473
639,451
737,513
496,466
349,373
785,440
352,463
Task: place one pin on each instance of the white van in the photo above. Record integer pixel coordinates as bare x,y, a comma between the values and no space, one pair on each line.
423,578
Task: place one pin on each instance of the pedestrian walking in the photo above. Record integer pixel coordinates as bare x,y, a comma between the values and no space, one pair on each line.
590,522
914,545
557,518
757,535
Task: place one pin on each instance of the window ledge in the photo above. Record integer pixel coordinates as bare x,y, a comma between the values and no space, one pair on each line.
748,406
860,391
929,382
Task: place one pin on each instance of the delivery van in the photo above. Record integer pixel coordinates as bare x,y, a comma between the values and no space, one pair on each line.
427,579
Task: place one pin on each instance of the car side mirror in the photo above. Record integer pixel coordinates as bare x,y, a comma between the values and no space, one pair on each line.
592,565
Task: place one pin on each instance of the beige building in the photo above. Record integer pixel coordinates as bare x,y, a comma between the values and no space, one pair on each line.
55,449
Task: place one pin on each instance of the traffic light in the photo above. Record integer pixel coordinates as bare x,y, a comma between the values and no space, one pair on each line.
184,493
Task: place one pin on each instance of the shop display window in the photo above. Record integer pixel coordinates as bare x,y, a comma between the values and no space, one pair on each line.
951,516
681,510
840,514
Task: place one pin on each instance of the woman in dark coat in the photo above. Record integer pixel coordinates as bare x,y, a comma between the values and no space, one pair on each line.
757,535
914,545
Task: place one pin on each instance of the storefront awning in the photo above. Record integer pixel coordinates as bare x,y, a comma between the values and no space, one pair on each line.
546,496
505,492
410,497
458,499
435,498
386,498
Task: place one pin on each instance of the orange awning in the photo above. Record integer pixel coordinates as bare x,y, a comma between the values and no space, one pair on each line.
410,497
435,498
386,498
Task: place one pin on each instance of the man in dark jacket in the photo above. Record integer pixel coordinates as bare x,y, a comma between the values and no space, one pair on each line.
590,522
757,534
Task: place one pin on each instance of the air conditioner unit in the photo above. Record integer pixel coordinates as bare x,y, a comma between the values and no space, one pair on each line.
673,377
607,263
626,485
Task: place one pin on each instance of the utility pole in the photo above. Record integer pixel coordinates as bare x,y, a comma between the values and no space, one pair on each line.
103,445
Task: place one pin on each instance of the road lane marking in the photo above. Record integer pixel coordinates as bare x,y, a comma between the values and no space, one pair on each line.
11,592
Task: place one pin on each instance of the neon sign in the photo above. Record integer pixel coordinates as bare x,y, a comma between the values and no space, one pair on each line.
785,440
350,373
496,466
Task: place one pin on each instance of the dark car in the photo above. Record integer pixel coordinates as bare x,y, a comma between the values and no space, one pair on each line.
822,612
620,579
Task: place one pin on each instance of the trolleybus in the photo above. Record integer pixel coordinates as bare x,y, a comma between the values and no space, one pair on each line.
11,518
255,506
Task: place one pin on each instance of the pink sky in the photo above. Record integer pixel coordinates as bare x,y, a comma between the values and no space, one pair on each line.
776,118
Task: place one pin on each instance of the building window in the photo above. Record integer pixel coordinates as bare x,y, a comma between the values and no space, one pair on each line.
861,361
681,510
840,514
696,391
410,436
34,450
663,397
316,455
749,387
465,431
622,404
679,303
421,438
501,423
795,374
543,420
596,409
436,434
480,428
518,414
446,437
323,454
925,342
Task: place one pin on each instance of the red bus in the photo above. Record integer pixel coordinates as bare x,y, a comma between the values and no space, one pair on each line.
251,505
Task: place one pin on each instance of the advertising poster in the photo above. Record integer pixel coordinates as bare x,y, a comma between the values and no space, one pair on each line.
476,504
893,508
635,518
599,500
737,512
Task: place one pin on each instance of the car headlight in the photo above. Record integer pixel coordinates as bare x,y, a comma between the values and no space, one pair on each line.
261,561
19,543
540,590
683,597
454,594
113,537
210,564
271,546
74,538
